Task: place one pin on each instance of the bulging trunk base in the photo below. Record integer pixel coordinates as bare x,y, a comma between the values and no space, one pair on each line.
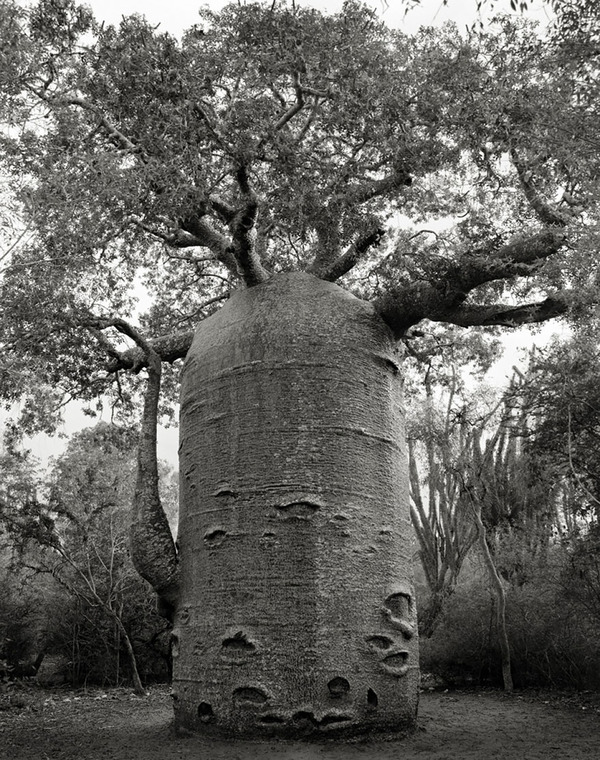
296,616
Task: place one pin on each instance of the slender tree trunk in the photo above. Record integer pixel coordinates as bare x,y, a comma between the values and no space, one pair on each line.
500,595
118,657
152,548
297,613
138,687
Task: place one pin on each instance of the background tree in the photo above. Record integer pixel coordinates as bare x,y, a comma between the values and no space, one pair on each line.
78,535
560,399
444,528
24,628
538,519
266,153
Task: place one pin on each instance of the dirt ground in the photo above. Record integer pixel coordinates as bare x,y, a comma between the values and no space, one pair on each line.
97,724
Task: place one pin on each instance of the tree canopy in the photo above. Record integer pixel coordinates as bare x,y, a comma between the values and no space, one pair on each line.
271,138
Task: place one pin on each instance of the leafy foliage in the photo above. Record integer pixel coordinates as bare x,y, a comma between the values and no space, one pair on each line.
272,138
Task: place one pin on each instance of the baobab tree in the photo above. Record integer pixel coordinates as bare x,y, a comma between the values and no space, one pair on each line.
244,179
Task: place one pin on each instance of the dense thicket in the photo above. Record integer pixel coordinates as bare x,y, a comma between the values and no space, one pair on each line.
71,592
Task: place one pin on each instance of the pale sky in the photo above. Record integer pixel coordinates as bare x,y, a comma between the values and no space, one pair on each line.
176,15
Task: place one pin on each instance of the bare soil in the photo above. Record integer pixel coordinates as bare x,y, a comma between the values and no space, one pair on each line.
98,724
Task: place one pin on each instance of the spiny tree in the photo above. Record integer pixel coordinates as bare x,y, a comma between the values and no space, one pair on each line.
438,443
260,161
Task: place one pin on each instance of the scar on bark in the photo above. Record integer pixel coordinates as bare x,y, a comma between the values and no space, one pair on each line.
238,644
399,611
251,695
396,664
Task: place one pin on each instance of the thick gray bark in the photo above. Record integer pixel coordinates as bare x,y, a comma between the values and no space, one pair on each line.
296,613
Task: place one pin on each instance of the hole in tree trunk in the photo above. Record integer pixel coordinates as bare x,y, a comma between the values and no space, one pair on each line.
225,491
338,687
249,694
399,610
396,663
238,643
215,537
372,698
305,719
399,605
380,642
270,719
298,509
329,720
205,712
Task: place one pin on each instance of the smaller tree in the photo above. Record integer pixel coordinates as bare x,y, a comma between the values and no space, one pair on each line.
81,531
444,530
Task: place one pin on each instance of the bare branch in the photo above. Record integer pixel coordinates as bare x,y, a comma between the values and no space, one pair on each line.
207,237
118,137
296,108
545,213
225,212
327,255
250,267
470,315
351,256
358,194
195,233
168,347
520,257
443,295
309,121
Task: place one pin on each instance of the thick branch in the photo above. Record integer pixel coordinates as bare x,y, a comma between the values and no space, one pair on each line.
351,256
224,211
327,258
441,299
294,109
509,316
359,194
207,237
195,233
250,267
168,347
545,213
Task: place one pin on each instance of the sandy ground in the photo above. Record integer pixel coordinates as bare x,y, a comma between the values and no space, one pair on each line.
115,725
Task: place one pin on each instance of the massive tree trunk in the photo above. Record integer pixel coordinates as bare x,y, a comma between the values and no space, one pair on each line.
296,613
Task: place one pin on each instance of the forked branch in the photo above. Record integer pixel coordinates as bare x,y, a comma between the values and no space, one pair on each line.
442,298
351,256
544,211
